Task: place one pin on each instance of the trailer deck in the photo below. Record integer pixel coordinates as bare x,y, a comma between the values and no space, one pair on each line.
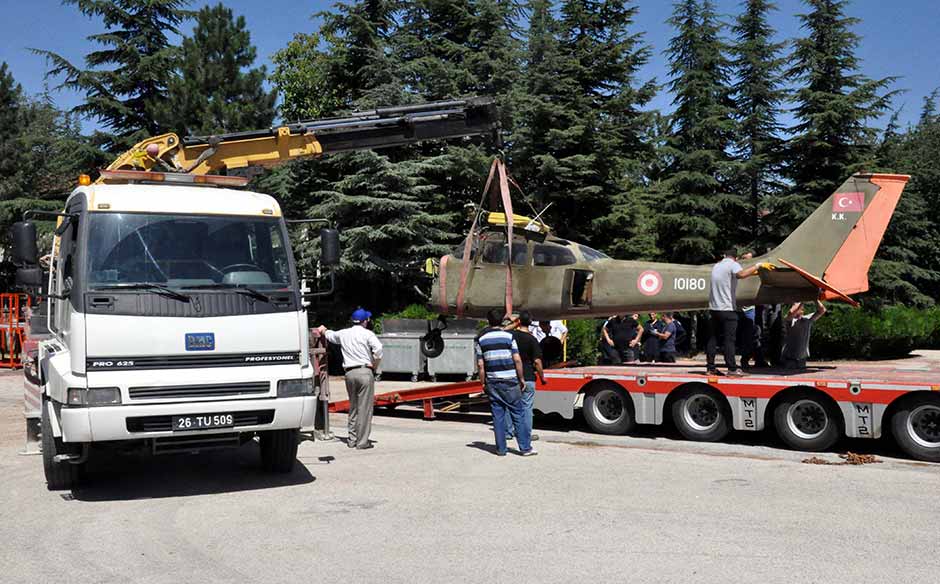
809,409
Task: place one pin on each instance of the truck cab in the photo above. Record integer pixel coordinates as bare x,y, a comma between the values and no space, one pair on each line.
176,321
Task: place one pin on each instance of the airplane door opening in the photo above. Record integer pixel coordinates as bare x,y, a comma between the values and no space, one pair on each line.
579,289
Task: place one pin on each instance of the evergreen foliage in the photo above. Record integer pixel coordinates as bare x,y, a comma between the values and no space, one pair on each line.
126,80
700,213
214,89
758,95
834,103
581,121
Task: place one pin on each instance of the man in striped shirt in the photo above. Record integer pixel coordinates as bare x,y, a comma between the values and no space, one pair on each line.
500,370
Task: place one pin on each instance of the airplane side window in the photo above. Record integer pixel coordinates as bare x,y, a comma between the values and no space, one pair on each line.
458,251
495,252
552,255
592,255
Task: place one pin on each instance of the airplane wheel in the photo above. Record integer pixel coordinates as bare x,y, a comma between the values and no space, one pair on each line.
701,415
608,409
432,345
916,427
805,421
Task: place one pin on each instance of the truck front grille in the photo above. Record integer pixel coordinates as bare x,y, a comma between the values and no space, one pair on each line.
165,423
188,391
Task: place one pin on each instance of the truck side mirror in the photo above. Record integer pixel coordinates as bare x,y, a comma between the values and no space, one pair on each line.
25,249
329,247
29,278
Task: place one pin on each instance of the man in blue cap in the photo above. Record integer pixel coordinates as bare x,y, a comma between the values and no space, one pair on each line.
362,353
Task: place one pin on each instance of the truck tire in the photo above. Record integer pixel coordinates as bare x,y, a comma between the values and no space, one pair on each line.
806,421
608,409
279,450
59,475
701,414
916,427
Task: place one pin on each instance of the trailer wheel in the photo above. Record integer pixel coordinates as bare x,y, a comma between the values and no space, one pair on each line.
59,475
701,415
916,427
278,450
608,409
804,421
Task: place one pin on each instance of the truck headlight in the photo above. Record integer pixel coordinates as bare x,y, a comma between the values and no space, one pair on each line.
294,387
95,396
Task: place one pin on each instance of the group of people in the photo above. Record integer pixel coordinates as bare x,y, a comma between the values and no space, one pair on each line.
725,320
624,339
509,360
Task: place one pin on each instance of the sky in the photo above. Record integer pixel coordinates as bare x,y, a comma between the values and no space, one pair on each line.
897,39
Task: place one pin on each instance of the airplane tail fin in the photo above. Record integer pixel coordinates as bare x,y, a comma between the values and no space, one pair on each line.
834,247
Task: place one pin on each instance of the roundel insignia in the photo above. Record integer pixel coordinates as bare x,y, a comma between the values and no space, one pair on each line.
649,283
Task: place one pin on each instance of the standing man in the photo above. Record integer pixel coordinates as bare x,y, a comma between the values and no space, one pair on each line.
503,380
667,339
530,353
619,338
362,353
799,329
722,306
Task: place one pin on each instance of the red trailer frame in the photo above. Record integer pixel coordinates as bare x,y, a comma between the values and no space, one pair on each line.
810,410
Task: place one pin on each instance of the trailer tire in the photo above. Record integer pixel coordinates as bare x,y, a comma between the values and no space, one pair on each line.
279,450
916,427
701,414
806,421
59,475
608,409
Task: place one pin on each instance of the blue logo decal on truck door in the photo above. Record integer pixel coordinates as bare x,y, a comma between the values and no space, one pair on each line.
200,341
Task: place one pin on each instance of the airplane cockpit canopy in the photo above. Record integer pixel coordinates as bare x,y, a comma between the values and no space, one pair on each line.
549,253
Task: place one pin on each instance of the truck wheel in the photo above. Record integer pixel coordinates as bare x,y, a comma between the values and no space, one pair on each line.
59,475
701,415
916,427
608,409
278,450
805,421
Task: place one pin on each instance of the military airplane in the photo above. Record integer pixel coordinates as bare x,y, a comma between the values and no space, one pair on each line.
828,256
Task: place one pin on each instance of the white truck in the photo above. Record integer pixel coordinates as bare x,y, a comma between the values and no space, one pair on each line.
175,311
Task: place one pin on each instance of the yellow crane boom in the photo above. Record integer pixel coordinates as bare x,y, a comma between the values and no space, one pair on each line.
379,128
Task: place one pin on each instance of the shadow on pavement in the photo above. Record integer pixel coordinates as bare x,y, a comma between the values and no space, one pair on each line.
124,477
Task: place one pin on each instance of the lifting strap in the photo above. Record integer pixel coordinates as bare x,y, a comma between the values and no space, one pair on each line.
497,170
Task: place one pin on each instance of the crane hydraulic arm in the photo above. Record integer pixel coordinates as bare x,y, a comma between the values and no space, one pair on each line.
379,128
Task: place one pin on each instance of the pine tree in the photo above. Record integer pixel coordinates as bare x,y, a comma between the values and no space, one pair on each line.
905,269
578,145
834,104
11,101
379,201
127,79
758,94
214,89
700,214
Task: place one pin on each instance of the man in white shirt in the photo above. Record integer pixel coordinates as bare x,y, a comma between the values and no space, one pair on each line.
723,307
362,353
556,328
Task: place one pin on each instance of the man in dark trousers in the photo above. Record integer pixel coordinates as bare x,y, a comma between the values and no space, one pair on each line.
619,339
501,372
530,352
722,306
362,353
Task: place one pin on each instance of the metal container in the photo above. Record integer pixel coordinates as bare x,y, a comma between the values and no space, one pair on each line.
458,357
401,346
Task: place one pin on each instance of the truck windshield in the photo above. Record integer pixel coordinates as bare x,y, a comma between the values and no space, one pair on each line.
186,250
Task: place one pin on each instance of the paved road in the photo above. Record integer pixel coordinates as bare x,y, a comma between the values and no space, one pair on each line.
432,504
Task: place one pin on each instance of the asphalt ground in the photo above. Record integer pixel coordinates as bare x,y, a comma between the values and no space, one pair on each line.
431,503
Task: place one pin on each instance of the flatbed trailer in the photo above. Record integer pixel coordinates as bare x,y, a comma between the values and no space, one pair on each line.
810,410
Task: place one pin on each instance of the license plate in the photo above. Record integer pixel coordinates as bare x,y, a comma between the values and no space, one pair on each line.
203,421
